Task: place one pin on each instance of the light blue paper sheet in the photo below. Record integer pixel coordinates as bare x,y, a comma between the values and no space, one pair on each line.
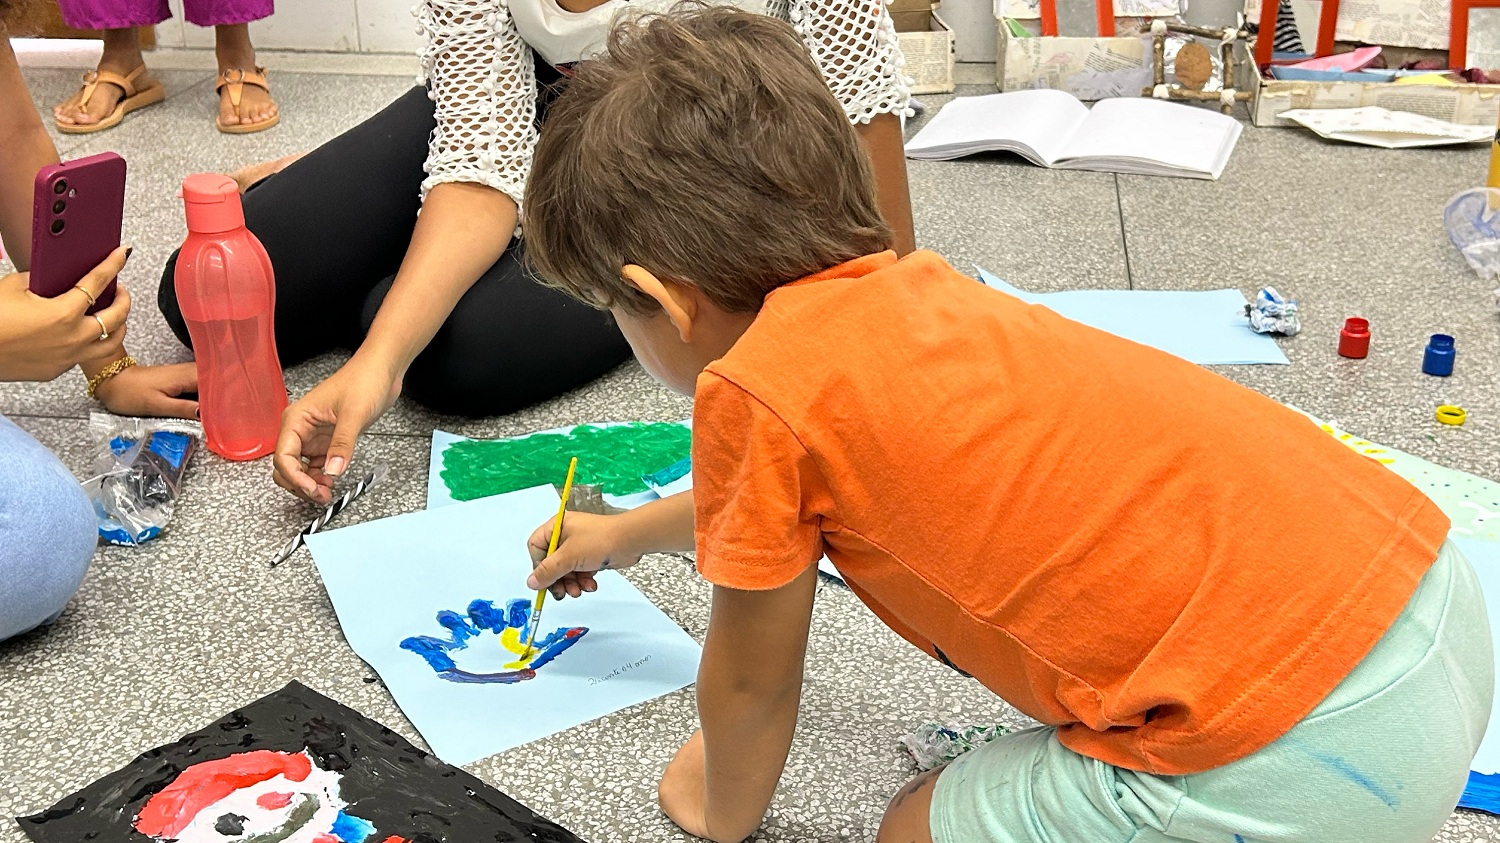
1484,778
1201,327
390,578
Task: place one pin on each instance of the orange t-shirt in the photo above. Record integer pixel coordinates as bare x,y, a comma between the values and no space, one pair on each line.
1170,567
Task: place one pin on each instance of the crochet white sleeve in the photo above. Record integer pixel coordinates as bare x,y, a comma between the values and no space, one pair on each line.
854,45
479,73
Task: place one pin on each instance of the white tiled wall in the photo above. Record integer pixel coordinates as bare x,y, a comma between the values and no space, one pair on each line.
387,26
342,26
973,22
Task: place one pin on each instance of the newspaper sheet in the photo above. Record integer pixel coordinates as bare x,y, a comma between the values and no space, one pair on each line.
1032,9
1395,23
1474,105
1087,68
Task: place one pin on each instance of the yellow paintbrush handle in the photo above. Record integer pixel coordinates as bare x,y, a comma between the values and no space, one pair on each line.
541,593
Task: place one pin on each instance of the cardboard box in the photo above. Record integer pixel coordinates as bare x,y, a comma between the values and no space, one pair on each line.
1087,68
929,54
916,20
1475,105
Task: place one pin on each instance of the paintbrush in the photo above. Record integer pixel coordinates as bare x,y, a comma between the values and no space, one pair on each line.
541,593
369,482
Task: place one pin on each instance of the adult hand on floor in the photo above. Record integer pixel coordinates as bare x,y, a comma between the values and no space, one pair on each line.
319,430
41,338
153,391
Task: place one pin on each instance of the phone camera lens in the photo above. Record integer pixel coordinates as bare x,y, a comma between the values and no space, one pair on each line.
59,206
60,187
57,226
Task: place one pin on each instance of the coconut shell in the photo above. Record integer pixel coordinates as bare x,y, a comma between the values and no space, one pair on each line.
1193,66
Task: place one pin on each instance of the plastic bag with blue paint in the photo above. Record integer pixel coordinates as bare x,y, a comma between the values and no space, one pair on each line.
1273,313
138,474
1472,219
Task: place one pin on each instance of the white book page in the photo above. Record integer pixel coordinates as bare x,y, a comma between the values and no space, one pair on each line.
1039,121
1181,137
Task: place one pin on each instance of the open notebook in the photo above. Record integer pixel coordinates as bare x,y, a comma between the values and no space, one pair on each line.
1053,129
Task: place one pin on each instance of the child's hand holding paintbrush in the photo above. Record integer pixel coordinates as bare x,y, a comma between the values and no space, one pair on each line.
592,543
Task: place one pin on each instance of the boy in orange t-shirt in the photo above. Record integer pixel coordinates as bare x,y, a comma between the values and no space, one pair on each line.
1217,652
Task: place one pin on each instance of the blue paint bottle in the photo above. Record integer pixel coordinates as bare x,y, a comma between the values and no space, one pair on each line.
1438,359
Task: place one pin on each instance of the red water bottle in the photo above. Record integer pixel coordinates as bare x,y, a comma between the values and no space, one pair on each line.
227,294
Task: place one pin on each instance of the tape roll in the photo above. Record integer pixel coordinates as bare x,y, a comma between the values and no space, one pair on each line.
1449,414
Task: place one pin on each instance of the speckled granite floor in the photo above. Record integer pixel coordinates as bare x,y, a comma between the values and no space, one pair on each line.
163,640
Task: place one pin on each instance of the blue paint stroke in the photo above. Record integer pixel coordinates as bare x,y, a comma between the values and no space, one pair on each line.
1482,793
559,641
1348,771
352,829
484,616
1239,839
509,677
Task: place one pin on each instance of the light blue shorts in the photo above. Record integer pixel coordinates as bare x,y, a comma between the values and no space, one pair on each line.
47,533
1382,759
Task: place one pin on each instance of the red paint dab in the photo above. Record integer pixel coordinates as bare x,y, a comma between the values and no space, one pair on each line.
205,783
274,801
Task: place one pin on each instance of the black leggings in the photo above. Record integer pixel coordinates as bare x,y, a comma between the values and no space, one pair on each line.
336,225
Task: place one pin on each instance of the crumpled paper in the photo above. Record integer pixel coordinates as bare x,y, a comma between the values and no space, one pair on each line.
1273,313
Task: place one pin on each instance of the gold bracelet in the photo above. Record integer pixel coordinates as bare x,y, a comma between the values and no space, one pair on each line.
109,371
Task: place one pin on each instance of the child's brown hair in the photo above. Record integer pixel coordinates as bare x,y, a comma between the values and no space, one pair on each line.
704,146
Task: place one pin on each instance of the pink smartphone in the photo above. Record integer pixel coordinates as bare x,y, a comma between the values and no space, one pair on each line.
77,211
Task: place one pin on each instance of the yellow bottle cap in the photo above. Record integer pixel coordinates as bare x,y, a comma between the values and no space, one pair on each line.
1449,414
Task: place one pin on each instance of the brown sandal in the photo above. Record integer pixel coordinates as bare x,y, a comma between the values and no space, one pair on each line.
150,95
236,80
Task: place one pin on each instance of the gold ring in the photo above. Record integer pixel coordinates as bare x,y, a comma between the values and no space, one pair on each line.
103,331
80,288
1449,414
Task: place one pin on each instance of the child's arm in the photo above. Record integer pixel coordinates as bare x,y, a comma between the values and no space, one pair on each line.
592,543
749,685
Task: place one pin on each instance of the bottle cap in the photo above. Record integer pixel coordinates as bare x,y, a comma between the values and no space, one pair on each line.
1450,414
213,203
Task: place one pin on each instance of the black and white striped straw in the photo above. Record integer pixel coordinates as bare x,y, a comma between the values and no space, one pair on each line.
370,481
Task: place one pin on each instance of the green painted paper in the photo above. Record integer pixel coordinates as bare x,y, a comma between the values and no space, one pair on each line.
613,456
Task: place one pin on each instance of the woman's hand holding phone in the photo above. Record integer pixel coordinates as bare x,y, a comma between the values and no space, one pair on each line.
41,338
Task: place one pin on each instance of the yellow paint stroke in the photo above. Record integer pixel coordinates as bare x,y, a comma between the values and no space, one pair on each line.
510,639
1362,446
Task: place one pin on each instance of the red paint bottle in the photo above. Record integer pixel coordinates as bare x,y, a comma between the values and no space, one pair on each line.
1354,339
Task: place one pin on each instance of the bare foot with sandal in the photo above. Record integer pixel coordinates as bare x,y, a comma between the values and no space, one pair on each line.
121,84
115,89
245,103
